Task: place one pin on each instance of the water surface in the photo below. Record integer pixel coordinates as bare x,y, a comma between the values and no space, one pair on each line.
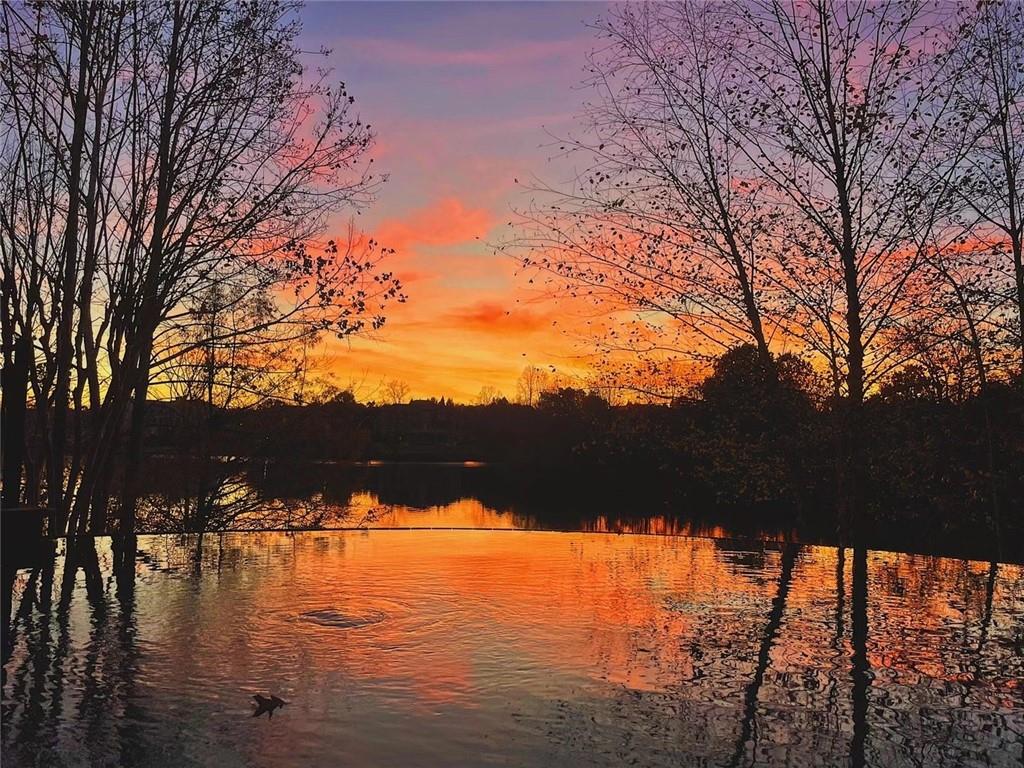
425,648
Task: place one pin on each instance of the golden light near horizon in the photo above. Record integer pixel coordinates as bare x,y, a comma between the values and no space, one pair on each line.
462,100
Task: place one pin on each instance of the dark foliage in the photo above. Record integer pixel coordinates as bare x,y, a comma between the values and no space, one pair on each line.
758,445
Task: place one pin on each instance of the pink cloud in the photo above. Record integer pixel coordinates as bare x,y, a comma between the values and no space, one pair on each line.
445,222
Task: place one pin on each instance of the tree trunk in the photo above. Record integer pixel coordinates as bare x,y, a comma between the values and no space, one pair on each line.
15,386
133,458
55,477
1018,271
149,312
850,455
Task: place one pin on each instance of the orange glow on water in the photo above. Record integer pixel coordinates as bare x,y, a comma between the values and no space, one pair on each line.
617,608
393,645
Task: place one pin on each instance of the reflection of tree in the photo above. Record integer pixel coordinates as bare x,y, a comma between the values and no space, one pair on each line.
840,591
771,629
986,624
214,495
127,658
92,706
66,676
974,657
9,576
861,672
30,681
11,621
687,605
837,641
986,621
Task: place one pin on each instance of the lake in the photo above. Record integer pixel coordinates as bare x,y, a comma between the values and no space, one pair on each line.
242,494
474,648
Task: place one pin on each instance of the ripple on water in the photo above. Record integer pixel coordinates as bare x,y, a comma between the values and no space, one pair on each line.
332,617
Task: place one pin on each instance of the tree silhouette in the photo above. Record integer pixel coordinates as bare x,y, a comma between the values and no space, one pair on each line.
209,170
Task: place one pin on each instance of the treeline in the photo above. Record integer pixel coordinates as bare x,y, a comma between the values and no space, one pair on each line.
168,169
750,444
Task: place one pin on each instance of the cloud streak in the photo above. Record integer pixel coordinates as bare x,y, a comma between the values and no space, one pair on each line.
461,96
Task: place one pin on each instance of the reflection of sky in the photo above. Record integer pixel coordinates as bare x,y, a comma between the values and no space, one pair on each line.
461,96
498,647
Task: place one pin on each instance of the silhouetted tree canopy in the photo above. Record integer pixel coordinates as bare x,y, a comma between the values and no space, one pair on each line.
569,401
740,377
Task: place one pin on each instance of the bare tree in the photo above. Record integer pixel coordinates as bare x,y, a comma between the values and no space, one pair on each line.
836,110
990,178
666,219
751,173
488,395
59,66
395,392
532,381
764,160
213,166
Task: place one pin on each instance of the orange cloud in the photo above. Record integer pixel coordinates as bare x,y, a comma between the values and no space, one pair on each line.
445,222
493,317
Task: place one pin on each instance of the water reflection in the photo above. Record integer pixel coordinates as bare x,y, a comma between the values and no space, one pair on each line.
256,495
763,657
479,648
306,495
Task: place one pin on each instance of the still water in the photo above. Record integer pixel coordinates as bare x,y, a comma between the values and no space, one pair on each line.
465,648
246,495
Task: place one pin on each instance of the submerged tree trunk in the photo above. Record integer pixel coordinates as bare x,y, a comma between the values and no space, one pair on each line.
15,387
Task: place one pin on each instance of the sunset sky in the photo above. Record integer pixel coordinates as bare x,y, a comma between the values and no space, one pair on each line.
464,98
